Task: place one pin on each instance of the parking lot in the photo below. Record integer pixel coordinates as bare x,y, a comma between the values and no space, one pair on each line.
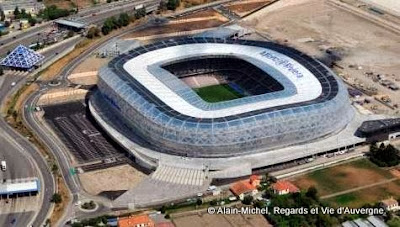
87,143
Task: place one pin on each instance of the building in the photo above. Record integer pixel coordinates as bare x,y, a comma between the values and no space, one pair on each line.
146,103
135,221
19,187
22,58
390,204
75,26
31,6
380,130
245,187
283,187
371,221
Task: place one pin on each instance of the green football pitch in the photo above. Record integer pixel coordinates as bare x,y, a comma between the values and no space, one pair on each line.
217,93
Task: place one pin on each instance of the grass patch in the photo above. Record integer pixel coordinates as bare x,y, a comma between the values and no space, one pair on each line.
344,200
218,93
342,177
367,196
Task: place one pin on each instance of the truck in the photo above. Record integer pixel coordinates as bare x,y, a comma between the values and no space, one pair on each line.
3,165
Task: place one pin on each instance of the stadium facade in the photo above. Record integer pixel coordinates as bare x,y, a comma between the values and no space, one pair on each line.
288,99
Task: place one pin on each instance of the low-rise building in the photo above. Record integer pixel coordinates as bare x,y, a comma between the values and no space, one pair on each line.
135,221
31,6
284,187
390,204
246,187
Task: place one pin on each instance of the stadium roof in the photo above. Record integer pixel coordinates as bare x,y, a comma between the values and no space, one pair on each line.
146,68
22,57
9,188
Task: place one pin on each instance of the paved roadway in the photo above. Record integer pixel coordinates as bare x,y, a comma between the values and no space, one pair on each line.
51,141
22,158
92,16
54,143
19,165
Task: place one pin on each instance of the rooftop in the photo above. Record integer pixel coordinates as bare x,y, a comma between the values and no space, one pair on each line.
134,221
21,186
70,23
376,125
390,202
22,4
242,187
22,57
300,84
285,185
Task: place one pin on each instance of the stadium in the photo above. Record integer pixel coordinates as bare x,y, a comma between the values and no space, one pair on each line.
206,101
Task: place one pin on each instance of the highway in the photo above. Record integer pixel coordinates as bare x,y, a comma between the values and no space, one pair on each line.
51,141
89,16
16,158
23,160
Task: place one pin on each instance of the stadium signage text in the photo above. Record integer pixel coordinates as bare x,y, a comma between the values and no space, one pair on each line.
282,62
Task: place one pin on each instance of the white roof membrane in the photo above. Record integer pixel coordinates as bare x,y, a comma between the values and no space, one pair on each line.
307,85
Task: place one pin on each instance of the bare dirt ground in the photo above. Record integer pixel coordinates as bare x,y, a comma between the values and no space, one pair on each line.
220,220
116,178
367,196
199,14
181,27
360,43
190,3
343,177
67,4
243,7
91,63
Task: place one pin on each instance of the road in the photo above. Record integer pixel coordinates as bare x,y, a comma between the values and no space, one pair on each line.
24,160
52,142
16,158
92,16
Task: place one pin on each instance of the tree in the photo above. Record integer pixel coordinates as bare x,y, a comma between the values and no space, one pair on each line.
54,168
199,202
93,32
248,199
56,198
16,12
312,193
32,21
163,5
173,4
384,155
52,13
2,15
140,13
124,19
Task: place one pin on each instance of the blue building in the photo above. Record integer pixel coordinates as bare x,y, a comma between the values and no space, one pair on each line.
22,58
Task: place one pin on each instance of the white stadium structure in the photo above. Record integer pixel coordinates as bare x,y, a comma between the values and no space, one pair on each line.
292,106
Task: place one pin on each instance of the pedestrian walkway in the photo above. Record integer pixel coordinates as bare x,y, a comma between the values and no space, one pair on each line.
177,175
